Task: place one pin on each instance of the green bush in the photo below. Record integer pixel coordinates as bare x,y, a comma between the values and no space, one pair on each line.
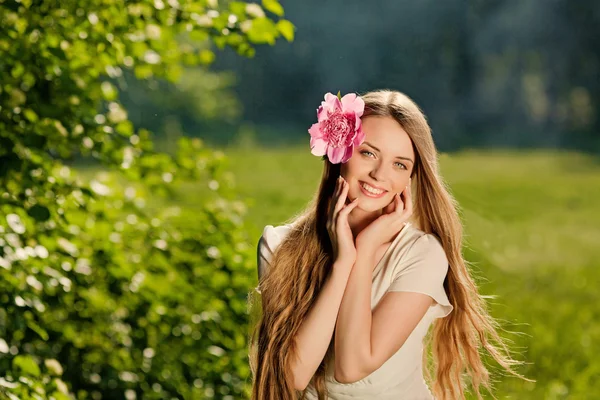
106,291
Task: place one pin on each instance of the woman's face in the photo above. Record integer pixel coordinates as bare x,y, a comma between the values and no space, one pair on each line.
384,161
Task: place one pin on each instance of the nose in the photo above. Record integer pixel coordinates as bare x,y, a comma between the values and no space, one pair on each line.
378,173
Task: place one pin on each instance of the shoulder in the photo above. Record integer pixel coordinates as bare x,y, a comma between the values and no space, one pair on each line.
273,235
424,249
268,242
428,243
423,268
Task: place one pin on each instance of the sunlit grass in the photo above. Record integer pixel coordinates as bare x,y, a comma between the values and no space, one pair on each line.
532,237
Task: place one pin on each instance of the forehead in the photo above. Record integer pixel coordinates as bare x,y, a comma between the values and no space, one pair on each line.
387,135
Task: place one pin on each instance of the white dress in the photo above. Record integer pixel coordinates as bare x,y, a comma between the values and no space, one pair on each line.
414,262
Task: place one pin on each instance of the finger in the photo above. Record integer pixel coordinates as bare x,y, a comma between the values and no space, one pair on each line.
390,207
399,204
349,207
335,201
341,202
409,203
408,195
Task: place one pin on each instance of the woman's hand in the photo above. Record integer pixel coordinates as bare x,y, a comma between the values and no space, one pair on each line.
389,223
342,240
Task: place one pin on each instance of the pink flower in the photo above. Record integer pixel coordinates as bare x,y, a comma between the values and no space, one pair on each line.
339,127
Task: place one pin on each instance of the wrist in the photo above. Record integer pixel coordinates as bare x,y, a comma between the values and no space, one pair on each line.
343,263
365,249
366,258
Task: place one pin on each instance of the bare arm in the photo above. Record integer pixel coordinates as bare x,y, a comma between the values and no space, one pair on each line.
366,339
353,333
316,331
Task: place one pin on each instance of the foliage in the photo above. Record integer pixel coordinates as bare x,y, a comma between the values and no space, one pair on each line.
104,294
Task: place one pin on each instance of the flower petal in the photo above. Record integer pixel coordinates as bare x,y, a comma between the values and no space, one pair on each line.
348,154
348,100
360,135
335,154
331,103
318,146
353,103
315,131
350,135
321,113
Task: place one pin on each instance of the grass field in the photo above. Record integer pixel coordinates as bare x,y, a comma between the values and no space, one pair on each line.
532,234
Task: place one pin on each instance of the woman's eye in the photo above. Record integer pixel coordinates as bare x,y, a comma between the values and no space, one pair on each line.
368,152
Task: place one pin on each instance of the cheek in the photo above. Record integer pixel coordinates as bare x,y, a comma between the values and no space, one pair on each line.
351,170
399,187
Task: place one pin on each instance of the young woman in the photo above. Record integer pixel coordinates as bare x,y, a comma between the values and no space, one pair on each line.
351,286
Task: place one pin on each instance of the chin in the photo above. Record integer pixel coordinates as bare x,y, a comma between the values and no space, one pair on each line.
371,204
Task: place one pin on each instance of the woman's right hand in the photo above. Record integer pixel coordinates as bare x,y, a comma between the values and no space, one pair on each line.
342,240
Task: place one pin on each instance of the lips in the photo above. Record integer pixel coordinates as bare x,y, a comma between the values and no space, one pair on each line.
373,186
369,194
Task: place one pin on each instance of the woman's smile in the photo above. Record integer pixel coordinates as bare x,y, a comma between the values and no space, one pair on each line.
371,191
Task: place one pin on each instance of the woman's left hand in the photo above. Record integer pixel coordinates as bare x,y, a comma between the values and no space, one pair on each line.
389,223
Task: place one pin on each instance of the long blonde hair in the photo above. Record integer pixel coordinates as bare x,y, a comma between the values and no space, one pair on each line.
303,260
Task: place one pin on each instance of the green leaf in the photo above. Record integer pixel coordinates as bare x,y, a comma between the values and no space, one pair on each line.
263,30
30,115
26,365
273,6
220,41
60,396
109,91
238,8
125,128
206,56
143,71
286,28
174,72
18,70
199,35
37,329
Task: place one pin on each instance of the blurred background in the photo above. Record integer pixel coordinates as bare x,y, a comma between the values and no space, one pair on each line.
144,145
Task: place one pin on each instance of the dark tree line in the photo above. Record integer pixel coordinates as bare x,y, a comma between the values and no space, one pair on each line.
502,73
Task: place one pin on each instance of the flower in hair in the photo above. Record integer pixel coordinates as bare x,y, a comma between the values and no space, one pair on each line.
339,127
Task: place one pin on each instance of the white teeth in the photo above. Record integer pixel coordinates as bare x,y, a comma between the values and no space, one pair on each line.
370,189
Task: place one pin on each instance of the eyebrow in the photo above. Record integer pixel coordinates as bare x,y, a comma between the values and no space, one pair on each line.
400,157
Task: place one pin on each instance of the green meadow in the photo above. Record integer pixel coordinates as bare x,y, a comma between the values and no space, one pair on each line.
532,237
